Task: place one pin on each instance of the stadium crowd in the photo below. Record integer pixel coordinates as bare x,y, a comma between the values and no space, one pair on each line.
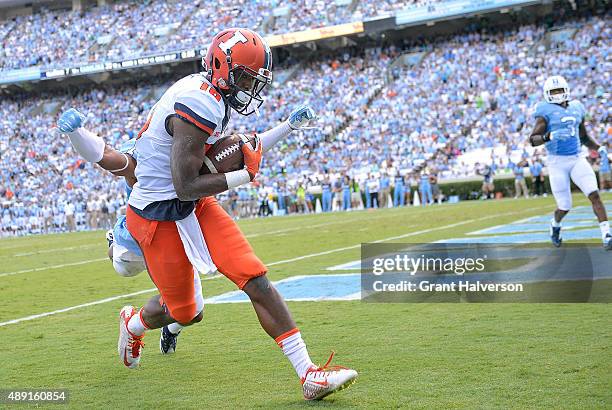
131,28
376,143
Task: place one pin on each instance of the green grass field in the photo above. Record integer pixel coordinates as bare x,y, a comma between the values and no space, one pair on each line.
408,355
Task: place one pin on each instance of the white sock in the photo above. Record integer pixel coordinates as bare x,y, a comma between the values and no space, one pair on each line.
554,223
295,349
605,229
175,328
136,324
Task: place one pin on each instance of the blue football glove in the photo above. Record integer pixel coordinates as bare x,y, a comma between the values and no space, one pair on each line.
70,120
301,117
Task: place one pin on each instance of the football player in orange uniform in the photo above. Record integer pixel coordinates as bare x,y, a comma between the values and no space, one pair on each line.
170,210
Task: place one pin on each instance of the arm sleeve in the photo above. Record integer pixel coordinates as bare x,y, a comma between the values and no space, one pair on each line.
87,144
272,136
199,109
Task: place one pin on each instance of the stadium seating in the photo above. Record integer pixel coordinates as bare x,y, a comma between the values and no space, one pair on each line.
469,93
129,29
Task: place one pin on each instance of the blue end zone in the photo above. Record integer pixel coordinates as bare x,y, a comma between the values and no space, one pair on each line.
306,288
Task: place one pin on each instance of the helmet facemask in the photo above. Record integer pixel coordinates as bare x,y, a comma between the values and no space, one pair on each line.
557,95
245,87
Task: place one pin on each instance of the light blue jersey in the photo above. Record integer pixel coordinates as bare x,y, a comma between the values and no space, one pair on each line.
519,172
604,165
121,235
563,125
536,169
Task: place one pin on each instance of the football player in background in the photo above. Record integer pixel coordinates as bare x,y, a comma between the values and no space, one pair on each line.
192,113
560,128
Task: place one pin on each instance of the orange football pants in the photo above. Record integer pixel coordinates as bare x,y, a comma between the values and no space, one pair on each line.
169,267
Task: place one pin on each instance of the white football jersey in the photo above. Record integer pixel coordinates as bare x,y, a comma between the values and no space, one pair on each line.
194,100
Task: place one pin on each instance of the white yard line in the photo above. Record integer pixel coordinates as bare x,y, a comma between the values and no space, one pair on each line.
392,238
93,245
279,231
53,267
312,255
302,228
96,302
68,309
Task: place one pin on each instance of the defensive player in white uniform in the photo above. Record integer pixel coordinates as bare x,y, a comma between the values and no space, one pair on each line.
560,126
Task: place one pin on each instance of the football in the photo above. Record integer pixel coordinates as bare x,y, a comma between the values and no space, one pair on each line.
225,155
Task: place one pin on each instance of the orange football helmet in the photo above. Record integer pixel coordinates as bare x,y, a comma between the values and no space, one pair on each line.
238,63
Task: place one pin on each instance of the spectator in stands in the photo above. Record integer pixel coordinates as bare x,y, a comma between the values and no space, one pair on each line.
435,188
398,190
356,199
47,214
93,208
495,82
373,186
520,186
385,190
412,183
346,193
425,191
337,194
537,177
488,186
326,194
264,203
69,210
300,202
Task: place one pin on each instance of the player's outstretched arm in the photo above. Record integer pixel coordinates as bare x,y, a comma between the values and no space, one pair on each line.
538,135
187,157
299,118
92,148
